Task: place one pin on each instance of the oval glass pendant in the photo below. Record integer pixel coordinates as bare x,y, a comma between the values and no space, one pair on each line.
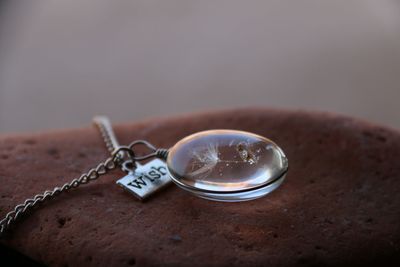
227,165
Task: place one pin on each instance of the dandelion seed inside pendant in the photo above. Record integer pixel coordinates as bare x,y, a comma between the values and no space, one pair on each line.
227,165
221,165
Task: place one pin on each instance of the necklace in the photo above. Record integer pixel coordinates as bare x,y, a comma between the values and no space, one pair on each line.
220,165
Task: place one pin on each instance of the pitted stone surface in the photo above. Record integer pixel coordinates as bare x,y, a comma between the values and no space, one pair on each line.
339,205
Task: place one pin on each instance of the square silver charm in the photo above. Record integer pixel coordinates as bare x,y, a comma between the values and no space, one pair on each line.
146,179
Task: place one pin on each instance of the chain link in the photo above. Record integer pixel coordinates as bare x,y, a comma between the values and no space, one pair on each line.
93,174
104,126
126,153
119,156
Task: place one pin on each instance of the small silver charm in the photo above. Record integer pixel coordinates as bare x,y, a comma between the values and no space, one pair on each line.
146,179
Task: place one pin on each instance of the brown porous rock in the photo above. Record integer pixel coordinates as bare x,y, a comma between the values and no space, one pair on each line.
339,204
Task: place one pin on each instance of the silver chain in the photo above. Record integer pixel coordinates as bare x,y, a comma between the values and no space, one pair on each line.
105,128
119,156
23,208
106,131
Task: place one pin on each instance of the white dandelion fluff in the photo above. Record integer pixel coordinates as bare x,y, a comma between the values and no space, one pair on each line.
205,160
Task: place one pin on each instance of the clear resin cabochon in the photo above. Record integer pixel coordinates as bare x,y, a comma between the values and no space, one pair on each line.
227,165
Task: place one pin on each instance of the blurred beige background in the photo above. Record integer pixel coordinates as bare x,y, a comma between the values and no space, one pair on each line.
62,61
